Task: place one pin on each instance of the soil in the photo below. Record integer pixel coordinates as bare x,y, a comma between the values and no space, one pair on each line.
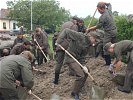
44,88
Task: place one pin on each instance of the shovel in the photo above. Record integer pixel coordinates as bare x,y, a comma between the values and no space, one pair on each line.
41,49
92,18
96,90
30,92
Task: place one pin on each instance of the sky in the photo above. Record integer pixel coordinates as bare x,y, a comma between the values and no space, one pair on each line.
83,8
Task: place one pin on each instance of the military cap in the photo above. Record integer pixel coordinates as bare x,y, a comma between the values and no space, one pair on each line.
107,46
20,33
75,18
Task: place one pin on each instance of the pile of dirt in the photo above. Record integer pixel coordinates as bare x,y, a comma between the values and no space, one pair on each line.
44,87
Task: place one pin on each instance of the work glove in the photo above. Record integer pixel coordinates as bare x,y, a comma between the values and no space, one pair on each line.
111,69
85,69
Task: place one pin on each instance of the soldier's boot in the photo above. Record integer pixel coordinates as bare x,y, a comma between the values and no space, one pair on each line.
75,95
107,59
56,79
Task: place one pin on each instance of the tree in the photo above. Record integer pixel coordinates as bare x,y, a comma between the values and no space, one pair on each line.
46,13
115,13
124,27
87,21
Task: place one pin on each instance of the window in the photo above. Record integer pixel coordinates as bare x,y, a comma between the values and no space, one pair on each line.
14,25
4,25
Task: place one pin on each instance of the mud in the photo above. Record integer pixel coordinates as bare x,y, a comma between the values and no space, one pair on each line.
44,88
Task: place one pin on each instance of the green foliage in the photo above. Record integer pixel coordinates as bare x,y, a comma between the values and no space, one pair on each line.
87,21
50,37
124,27
46,13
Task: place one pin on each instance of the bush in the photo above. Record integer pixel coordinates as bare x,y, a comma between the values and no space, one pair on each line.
125,28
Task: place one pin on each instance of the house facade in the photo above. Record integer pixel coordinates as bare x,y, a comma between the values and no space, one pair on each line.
6,24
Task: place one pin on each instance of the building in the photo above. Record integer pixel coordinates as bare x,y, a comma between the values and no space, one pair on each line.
6,24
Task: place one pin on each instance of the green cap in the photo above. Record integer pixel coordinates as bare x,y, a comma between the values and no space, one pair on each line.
106,47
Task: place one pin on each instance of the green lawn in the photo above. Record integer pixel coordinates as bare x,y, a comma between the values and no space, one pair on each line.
50,36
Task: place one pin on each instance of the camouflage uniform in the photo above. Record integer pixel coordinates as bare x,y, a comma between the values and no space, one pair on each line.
78,47
12,68
107,22
125,47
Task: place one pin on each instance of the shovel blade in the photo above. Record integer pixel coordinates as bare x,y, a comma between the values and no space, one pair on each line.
119,79
97,93
55,97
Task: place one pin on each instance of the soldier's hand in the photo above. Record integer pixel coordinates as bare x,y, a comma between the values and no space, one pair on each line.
34,39
17,83
29,92
40,48
85,69
87,30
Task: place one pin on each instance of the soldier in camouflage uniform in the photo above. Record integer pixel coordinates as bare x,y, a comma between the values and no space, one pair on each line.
78,47
119,49
15,73
106,21
60,53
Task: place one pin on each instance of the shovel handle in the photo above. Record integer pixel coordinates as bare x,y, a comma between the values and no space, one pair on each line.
75,60
41,49
92,18
36,96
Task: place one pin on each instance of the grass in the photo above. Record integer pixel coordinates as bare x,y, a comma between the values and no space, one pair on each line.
50,36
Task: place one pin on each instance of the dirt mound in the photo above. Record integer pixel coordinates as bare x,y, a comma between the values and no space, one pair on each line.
44,87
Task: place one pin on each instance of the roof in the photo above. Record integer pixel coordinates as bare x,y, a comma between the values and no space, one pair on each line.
4,13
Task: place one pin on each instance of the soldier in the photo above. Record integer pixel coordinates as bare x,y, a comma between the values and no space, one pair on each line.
20,47
42,40
106,21
19,39
96,38
5,52
15,73
119,49
81,26
56,34
78,47
72,24
60,53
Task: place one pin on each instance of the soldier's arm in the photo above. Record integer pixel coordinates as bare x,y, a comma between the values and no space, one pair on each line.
27,76
98,25
45,41
13,50
109,6
69,34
